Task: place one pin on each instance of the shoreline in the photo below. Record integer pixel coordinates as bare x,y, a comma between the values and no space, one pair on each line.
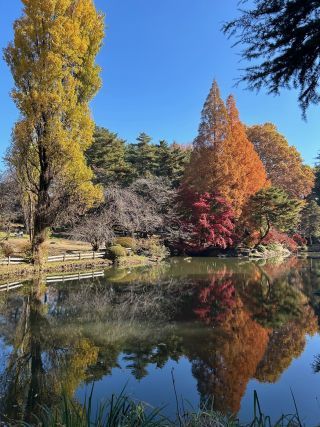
27,271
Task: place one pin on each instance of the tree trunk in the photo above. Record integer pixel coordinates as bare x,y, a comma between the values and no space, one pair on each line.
263,235
41,214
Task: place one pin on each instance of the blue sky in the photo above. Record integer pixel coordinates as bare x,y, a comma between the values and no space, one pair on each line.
159,59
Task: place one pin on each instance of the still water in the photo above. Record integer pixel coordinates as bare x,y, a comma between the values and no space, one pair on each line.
221,328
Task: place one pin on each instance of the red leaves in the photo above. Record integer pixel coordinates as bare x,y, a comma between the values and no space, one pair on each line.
215,301
275,236
207,221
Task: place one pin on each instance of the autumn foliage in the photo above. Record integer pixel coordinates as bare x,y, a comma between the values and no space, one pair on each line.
283,163
216,300
223,159
207,221
275,236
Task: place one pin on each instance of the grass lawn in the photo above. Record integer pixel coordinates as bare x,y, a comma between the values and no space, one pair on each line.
55,246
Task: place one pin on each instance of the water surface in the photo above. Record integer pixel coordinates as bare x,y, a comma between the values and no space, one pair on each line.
221,328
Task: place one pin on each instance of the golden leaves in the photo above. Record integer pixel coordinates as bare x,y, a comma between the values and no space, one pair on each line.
53,64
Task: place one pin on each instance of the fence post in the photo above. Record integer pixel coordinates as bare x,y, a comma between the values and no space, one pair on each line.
64,257
9,260
79,255
94,254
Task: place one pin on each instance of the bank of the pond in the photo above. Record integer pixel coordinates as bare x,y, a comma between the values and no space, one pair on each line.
259,252
26,271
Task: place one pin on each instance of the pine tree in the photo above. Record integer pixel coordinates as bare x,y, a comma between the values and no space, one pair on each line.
282,37
163,159
106,156
272,207
310,224
180,157
142,156
171,161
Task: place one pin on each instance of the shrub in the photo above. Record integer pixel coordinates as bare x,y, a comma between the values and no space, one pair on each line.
153,248
7,249
126,242
159,251
275,236
116,251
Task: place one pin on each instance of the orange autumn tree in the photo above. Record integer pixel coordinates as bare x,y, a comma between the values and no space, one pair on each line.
283,162
223,159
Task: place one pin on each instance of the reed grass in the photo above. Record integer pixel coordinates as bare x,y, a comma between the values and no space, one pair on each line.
121,411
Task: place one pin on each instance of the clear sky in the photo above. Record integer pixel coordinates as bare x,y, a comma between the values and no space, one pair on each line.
159,59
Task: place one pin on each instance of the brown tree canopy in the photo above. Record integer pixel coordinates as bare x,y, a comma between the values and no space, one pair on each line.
283,162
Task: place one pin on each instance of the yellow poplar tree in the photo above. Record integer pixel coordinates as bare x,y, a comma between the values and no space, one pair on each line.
52,60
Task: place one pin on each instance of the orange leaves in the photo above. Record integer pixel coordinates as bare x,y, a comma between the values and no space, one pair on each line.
283,162
224,160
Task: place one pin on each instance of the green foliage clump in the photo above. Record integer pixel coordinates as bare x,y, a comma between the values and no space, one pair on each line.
126,242
153,248
272,207
116,251
310,221
114,161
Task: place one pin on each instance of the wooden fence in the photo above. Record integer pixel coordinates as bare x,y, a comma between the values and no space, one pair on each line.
10,286
55,258
54,279
76,256
12,260
76,276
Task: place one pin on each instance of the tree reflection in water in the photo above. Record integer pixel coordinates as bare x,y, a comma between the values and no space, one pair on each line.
233,321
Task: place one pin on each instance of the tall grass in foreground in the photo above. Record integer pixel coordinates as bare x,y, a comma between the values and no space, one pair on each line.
121,411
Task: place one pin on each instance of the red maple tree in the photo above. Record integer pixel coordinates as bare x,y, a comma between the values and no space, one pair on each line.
207,221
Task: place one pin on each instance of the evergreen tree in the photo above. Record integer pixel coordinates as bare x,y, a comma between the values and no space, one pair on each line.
180,157
310,223
142,156
284,36
106,156
315,194
163,159
171,161
272,207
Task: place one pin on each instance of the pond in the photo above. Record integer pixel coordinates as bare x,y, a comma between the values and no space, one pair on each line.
220,328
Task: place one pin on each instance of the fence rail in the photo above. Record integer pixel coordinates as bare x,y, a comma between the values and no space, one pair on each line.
77,276
12,260
10,286
55,258
55,279
76,256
